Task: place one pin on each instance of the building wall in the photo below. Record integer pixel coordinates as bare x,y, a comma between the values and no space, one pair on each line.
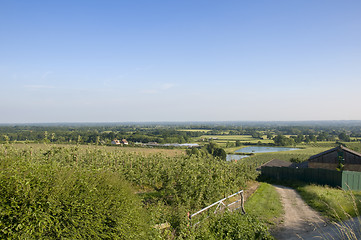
352,167
331,166
330,161
331,157
351,158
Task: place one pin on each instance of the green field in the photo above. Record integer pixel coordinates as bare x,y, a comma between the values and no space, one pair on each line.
137,150
223,139
302,154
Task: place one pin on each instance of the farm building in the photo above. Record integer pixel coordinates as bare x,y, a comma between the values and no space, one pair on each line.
281,163
335,158
115,142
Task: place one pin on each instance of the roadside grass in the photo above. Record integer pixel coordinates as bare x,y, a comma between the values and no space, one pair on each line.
335,204
265,204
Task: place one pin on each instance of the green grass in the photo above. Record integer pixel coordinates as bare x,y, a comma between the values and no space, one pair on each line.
335,204
302,154
265,203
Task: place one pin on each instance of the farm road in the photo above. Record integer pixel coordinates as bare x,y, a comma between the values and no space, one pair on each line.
302,222
299,218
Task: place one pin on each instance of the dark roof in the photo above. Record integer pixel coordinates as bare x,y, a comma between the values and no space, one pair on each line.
300,165
277,163
335,149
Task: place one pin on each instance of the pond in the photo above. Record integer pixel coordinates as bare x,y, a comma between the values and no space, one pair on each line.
264,149
232,157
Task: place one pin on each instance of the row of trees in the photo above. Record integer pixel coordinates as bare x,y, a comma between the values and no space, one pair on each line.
282,140
95,135
169,134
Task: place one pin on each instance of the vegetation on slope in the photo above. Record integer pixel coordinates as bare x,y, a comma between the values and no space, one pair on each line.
266,204
44,198
336,204
72,192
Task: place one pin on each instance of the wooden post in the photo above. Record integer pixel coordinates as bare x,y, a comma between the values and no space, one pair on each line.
242,203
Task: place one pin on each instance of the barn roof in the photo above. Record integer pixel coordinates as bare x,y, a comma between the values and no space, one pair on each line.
277,163
300,165
345,149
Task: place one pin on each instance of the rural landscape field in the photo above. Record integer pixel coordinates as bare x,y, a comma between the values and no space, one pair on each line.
177,120
74,181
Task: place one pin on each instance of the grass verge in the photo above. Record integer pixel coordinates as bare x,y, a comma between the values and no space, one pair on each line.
335,204
266,204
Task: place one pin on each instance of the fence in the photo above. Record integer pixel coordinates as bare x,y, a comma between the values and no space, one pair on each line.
345,179
221,205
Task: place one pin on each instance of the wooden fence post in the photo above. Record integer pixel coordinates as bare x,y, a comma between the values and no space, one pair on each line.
242,203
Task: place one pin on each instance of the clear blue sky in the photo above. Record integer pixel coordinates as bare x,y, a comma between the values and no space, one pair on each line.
189,60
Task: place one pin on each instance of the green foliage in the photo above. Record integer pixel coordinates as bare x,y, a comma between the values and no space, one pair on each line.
296,160
44,199
231,226
216,151
281,140
82,192
344,137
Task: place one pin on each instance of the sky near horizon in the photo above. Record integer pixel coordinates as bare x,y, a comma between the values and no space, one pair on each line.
189,60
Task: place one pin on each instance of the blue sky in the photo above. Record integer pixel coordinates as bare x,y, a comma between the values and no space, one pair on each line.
189,60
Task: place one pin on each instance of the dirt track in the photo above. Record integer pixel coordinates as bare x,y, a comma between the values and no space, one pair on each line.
299,218
301,222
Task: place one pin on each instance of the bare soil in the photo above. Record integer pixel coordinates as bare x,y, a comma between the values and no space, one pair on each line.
251,188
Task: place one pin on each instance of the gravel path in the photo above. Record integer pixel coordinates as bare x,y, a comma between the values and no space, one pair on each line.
299,218
302,222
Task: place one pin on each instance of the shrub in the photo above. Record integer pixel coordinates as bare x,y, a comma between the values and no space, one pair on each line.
232,226
44,200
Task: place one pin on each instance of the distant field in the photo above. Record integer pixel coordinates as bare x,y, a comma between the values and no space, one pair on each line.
302,154
140,150
229,137
194,130
223,139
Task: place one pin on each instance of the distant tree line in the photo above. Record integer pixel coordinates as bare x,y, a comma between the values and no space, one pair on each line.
104,134
94,135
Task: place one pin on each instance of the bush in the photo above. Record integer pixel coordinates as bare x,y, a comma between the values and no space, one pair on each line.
232,226
44,200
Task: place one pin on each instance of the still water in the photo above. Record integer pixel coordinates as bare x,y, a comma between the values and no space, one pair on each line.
232,157
264,149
